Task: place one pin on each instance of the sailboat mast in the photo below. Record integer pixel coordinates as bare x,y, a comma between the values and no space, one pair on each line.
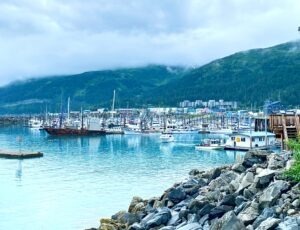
113,104
81,118
46,115
68,108
61,112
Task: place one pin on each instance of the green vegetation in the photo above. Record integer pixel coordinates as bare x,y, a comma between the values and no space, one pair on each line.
249,77
90,90
294,172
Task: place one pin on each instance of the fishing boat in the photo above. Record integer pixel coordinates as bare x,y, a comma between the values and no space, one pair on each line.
114,130
210,144
166,137
35,124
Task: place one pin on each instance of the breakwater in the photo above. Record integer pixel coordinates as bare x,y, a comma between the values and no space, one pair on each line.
251,194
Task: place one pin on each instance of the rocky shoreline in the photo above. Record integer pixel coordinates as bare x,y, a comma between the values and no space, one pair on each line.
251,194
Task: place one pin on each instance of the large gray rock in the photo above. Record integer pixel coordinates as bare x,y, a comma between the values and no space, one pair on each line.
264,178
219,211
272,193
238,167
175,219
228,222
275,161
268,224
239,200
126,217
246,181
214,173
134,202
249,214
176,194
229,176
228,199
167,228
205,210
135,226
162,217
196,206
290,223
254,157
241,207
191,226
266,213
217,183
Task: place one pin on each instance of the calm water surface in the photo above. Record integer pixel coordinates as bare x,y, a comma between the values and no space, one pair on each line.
80,180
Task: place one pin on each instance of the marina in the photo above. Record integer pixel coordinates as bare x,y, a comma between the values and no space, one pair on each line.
102,173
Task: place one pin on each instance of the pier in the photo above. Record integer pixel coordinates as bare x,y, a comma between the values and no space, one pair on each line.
9,154
287,126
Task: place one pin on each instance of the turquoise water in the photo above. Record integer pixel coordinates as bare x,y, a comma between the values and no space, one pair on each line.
80,180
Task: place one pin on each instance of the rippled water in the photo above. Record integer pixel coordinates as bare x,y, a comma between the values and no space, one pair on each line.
80,180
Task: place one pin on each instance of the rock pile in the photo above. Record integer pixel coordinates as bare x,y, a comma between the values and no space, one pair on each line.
247,195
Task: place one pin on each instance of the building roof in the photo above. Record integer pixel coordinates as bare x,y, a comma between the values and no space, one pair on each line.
253,134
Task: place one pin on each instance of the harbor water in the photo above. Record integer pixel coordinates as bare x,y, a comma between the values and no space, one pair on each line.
81,179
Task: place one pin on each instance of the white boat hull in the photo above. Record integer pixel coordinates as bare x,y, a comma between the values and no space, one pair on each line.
208,147
166,138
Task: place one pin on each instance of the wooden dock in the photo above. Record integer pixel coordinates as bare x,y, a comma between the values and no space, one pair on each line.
9,154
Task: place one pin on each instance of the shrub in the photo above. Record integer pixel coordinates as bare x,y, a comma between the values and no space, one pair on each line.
294,172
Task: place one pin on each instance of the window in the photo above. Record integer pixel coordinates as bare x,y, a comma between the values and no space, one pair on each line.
261,138
253,139
243,139
233,138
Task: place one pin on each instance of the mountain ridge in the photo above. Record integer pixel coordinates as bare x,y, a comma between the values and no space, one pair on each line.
248,77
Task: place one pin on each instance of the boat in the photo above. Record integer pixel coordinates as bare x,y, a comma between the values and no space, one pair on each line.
166,137
74,128
185,130
250,140
35,124
221,131
114,130
210,144
73,132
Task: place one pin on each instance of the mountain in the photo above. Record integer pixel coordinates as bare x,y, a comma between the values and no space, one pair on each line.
247,77
90,90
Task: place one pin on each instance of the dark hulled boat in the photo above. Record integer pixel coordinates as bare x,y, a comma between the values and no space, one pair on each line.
73,132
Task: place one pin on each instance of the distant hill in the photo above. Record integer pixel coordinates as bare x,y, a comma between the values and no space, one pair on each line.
247,77
90,90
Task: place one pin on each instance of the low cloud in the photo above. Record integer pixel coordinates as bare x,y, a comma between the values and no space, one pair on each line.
42,38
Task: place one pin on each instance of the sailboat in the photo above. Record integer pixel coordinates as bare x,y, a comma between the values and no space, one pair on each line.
166,137
70,129
111,127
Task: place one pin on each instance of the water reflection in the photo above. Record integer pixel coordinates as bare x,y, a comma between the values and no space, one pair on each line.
82,178
19,170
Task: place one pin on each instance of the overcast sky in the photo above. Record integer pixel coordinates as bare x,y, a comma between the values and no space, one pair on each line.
51,37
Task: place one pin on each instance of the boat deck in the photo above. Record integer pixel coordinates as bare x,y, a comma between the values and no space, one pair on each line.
9,154
227,147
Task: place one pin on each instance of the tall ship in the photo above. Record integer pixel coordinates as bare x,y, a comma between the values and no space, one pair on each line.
73,132
71,127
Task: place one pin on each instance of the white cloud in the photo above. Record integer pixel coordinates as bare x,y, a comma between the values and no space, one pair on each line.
43,37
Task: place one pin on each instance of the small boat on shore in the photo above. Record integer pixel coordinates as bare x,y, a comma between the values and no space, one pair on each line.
210,144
